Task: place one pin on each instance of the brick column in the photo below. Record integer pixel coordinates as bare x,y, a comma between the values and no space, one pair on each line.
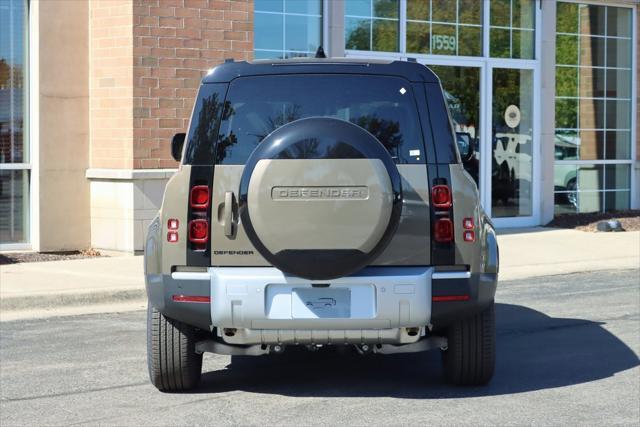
175,42
147,60
111,84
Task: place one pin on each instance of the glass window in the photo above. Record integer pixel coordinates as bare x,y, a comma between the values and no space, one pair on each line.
269,32
444,27
14,149
593,82
372,25
287,28
462,92
203,128
388,112
593,107
591,187
12,83
14,206
512,29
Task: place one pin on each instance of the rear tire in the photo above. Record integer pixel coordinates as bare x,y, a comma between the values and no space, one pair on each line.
173,362
471,353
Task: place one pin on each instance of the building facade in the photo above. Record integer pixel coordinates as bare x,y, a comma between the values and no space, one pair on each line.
91,93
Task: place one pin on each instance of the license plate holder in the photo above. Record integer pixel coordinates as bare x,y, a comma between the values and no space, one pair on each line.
320,303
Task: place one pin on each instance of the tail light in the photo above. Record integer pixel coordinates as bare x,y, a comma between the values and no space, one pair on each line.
173,225
199,231
441,196
443,230
447,298
467,223
199,198
468,235
191,298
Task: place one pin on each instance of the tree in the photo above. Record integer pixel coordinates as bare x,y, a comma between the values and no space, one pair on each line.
5,72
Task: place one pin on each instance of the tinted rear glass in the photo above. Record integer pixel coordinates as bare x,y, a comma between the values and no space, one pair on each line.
256,106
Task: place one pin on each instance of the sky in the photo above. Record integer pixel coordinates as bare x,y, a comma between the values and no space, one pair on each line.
11,31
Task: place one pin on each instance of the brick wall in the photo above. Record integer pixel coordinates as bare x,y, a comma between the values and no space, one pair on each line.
147,59
111,84
175,42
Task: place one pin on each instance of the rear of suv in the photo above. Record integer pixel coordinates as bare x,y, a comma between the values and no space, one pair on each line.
320,202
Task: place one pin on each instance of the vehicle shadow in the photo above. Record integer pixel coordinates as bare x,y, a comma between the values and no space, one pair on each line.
534,352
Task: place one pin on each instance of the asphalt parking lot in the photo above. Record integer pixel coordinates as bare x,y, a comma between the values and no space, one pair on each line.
567,353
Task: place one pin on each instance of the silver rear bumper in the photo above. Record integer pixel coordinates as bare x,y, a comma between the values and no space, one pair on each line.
264,306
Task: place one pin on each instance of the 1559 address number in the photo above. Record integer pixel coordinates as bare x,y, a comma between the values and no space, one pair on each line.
442,42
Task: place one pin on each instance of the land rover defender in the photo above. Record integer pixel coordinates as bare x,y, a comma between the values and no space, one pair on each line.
320,202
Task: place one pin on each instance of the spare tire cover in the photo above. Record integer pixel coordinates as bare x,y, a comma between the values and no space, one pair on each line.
320,198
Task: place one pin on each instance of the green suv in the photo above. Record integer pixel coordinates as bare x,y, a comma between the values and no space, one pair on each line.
320,202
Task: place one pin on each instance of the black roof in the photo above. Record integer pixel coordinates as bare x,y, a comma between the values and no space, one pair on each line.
411,71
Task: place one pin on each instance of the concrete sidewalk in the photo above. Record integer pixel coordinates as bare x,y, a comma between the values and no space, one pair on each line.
548,251
40,289
96,284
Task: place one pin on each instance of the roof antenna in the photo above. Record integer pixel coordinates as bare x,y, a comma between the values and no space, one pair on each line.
320,53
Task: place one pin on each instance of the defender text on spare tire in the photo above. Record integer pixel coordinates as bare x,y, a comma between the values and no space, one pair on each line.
320,203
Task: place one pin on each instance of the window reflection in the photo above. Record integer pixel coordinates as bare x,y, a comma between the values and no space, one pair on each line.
444,27
204,124
388,113
12,83
287,28
372,25
14,148
591,187
512,29
512,143
593,105
462,92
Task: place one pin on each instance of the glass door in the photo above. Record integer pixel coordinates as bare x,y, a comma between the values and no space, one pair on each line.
512,130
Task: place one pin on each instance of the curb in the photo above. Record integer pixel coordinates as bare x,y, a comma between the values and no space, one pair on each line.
48,301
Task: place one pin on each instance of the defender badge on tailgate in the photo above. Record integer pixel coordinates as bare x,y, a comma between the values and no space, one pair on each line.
319,193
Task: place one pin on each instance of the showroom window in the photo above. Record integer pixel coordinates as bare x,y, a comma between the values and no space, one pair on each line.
593,108
512,29
14,148
287,28
372,25
444,27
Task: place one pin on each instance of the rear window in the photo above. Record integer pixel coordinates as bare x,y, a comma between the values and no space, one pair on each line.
256,106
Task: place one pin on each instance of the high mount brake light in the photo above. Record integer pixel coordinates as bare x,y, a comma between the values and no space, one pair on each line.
199,197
